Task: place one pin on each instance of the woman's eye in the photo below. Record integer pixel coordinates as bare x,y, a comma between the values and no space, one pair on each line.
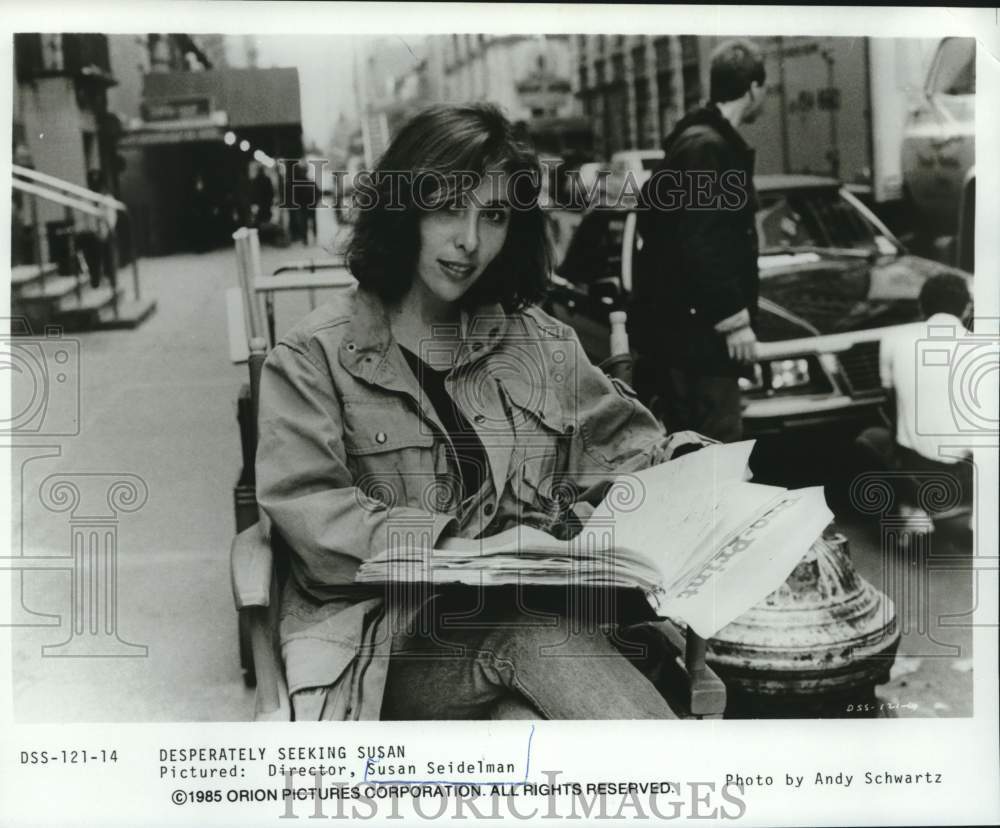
496,215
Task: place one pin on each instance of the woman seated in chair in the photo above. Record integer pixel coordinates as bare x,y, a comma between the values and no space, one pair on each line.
435,400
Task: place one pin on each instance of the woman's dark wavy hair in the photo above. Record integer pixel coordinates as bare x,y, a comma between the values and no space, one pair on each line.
450,141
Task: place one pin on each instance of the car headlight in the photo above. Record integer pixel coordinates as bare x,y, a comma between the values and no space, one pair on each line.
786,376
789,373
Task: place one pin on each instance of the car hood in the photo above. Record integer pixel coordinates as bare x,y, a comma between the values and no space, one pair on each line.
839,295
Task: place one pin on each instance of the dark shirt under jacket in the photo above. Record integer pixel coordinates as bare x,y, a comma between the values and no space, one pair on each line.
469,454
697,265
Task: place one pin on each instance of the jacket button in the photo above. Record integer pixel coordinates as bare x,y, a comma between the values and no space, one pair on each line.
351,346
381,437
488,509
693,311
571,429
480,419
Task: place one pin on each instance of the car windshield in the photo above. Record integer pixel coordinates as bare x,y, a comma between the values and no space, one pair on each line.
955,73
815,219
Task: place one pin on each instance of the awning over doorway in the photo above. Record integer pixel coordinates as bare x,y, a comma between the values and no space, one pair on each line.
173,132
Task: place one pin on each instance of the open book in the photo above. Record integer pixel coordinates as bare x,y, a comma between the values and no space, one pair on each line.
699,539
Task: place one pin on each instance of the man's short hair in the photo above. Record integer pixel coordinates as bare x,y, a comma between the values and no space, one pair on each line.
735,64
944,293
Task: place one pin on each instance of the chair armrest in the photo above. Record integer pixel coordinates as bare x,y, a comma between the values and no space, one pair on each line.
271,703
251,566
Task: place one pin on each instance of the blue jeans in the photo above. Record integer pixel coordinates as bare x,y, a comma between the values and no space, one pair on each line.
508,660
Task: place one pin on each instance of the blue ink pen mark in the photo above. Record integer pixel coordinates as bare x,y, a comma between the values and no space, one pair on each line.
527,769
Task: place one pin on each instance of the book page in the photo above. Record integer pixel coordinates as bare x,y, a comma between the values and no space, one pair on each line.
669,510
752,564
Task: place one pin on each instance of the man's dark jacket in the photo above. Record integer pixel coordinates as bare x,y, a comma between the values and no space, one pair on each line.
696,266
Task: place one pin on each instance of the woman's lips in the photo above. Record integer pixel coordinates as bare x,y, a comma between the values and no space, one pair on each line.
456,270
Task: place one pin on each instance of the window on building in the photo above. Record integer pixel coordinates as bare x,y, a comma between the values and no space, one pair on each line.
644,129
689,49
617,68
665,89
661,48
639,60
599,73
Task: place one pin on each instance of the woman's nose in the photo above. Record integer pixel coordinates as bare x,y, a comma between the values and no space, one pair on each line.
468,237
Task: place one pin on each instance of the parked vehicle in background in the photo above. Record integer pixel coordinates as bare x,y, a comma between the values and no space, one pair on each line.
938,151
834,279
837,107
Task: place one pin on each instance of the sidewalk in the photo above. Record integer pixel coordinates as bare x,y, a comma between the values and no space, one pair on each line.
157,402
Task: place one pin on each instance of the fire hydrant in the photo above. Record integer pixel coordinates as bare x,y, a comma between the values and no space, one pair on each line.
816,646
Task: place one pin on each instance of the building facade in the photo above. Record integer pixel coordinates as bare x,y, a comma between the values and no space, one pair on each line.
190,156
634,88
61,126
527,76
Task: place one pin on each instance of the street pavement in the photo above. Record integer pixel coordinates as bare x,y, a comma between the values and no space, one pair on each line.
159,403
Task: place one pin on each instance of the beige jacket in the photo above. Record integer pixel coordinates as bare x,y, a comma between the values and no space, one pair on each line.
352,458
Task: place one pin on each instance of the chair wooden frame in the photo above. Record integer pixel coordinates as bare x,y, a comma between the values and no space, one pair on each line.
697,692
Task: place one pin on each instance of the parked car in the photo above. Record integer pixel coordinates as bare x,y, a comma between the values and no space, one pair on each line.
833,280
938,150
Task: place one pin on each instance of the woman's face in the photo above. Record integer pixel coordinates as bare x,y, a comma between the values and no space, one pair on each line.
459,240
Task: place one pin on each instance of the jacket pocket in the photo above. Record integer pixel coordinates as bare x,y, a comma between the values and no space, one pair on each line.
390,452
540,448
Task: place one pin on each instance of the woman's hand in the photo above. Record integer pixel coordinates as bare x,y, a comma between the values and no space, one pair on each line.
684,442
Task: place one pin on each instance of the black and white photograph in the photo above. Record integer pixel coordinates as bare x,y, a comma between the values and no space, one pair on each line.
401,417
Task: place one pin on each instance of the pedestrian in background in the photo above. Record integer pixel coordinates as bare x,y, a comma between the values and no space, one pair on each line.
261,196
301,196
922,441
695,300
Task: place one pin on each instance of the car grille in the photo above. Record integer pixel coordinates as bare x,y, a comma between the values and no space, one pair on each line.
860,369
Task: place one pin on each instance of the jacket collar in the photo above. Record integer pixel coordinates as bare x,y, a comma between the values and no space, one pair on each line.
708,115
367,351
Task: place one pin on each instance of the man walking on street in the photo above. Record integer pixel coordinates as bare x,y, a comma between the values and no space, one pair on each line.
695,298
